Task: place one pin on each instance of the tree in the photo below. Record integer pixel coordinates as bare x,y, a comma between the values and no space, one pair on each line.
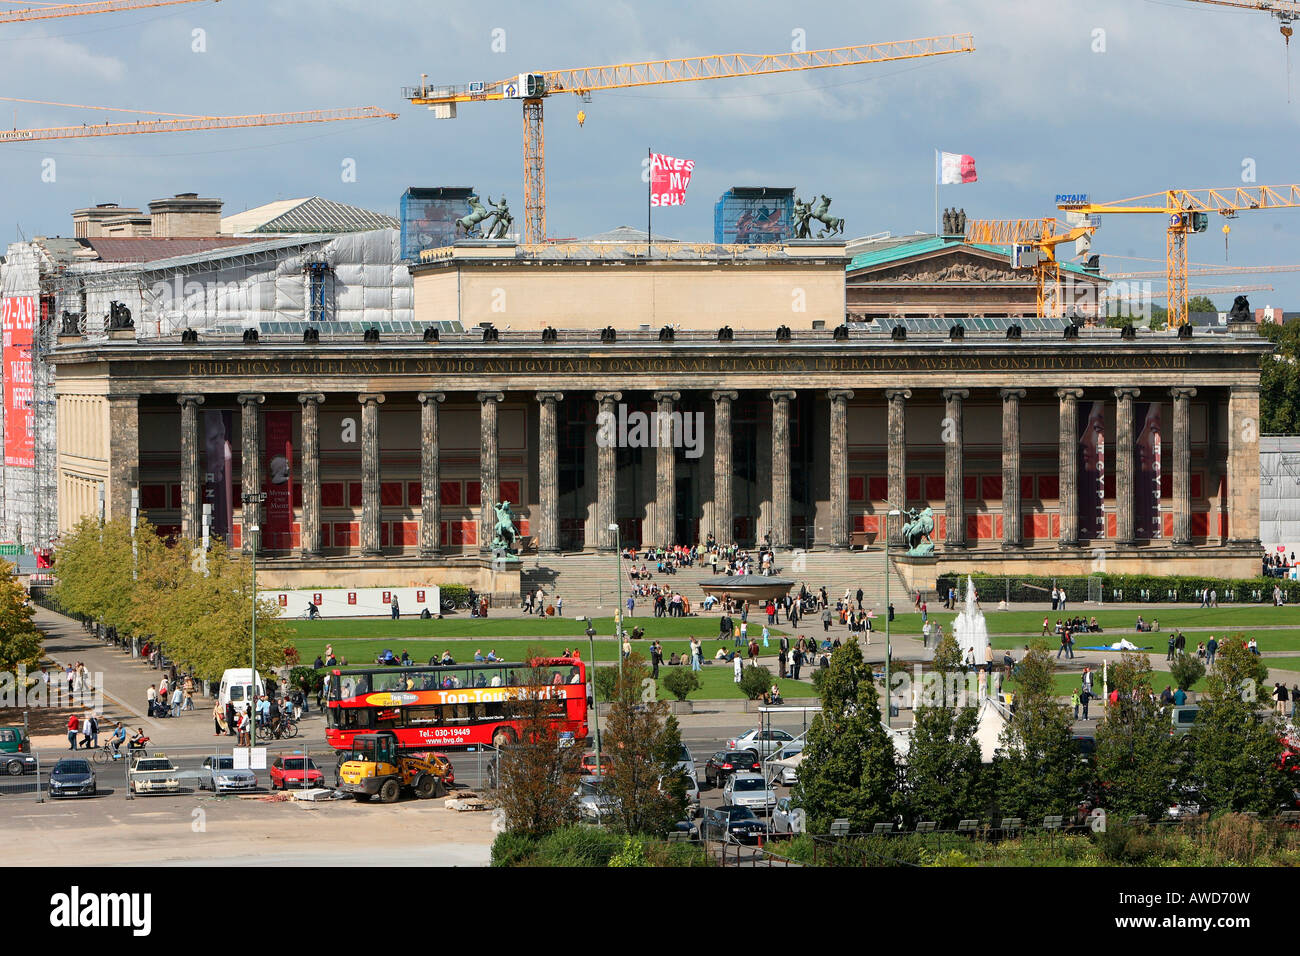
1234,747
92,568
755,681
1279,399
680,681
1201,303
850,767
644,745
537,792
1040,769
945,769
20,641
1186,670
1138,760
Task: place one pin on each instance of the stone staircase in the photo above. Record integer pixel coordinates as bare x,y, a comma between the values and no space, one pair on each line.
588,581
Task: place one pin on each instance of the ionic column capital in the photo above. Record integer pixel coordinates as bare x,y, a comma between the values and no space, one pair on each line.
723,395
371,398
485,397
1182,392
434,397
897,394
609,397
189,400
1016,393
311,398
1072,393
1127,392
667,396
840,394
550,397
958,393
250,398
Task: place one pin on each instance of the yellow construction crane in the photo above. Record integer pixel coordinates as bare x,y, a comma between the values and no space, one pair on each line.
1200,270
56,10
1284,11
533,88
1033,245
1187,211
180,123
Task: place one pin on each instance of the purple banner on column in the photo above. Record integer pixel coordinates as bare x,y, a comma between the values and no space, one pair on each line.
1092,473
1146,523
217,485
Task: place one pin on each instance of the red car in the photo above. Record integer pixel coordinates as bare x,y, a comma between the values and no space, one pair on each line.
295,770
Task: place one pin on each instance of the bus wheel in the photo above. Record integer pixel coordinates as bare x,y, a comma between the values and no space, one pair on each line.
389,791
503,738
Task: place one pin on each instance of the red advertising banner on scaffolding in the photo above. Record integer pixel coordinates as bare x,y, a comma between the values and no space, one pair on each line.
16,322
669,178
277,528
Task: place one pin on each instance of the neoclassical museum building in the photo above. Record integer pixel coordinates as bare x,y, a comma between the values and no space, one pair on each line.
1037,444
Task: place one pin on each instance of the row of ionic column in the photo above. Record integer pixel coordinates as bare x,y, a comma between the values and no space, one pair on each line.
665,476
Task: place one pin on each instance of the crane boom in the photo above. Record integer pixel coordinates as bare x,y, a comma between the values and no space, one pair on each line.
1282,9
533,88
188,124
1195,270
1043,235
55,11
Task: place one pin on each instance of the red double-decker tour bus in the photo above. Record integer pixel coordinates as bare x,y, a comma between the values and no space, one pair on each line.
451,705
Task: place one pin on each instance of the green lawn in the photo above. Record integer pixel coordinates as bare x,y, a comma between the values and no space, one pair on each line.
656,628
1238,617
715,677
1065,684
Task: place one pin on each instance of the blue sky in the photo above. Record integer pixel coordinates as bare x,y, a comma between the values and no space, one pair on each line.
1169,93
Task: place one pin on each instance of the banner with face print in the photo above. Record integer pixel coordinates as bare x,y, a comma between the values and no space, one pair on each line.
1146,510
277,526
218,488
1092,472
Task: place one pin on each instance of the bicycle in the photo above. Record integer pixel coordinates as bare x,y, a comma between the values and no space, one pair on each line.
106,754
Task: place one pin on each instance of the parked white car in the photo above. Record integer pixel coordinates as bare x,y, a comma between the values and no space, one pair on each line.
748,790
762,742
692,791
154,774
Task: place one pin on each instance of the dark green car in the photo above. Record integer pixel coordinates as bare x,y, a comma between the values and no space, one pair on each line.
16,752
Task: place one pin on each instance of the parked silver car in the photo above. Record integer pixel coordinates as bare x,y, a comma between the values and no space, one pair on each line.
787,818
762,742
788,776
595,802
748,790
219,775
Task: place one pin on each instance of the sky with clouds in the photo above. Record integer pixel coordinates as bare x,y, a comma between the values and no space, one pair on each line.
1114,98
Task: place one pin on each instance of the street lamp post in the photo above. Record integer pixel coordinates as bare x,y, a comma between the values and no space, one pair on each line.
253,498
889,653
595,704
618,611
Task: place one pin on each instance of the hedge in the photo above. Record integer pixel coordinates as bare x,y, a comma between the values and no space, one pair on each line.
1127,588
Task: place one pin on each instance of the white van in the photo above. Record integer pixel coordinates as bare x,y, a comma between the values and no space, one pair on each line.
237,687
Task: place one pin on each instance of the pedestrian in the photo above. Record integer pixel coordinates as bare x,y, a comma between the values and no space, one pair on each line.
697,654
1211,648
1173,645
1074,701
73,725
189,692
1282,697
781,662
736,665
826,619
1055,597
631,605
627,646
753,653
231,722
178,700
559,606
798,660
766,634
393,607
859,597
1084,697
151,695
218,718
656,655
1061,601
925,634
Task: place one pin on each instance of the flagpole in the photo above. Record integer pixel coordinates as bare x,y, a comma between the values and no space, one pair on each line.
649,187
936,192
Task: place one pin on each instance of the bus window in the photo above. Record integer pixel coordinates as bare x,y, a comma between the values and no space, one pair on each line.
355,718
424,716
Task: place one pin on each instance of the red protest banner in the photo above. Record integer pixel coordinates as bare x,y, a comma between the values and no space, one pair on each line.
669,178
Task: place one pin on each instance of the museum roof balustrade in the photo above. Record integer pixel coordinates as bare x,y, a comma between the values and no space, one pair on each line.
657,250
932,331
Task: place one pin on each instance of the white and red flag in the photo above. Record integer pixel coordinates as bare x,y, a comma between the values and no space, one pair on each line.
669,178
953,168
